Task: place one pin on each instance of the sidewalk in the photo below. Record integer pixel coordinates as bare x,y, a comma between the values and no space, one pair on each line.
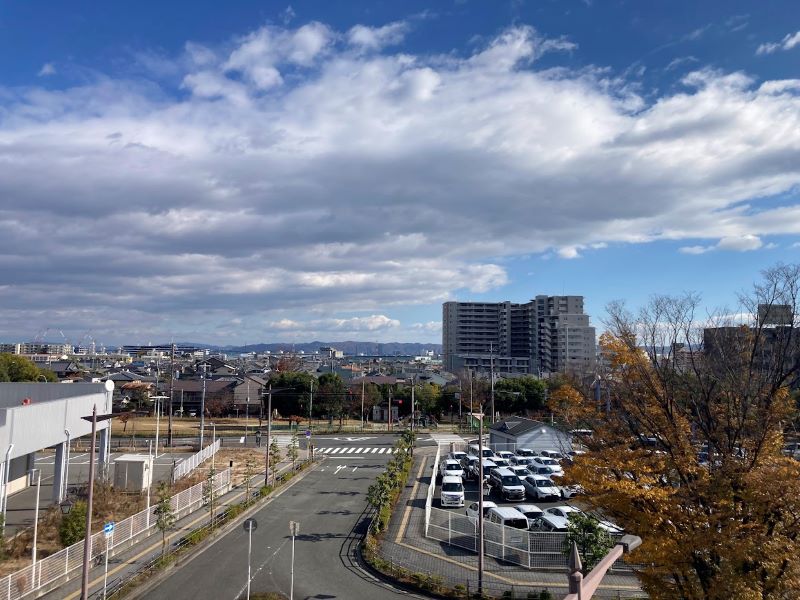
121,566
405,544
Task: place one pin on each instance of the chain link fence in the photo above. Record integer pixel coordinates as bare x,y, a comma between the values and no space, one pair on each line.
57,568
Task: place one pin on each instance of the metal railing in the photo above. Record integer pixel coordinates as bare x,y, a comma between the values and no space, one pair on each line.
61,566
432,488
187,465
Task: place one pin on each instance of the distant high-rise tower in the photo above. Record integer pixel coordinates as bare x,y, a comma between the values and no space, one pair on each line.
548,334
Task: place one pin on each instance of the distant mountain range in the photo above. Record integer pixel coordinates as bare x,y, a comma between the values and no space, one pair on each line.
349,348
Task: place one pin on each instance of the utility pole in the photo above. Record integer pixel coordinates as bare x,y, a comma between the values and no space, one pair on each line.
171,392
389,425
491,372
412,403
311,405
203,407
269,432
363,383
480,502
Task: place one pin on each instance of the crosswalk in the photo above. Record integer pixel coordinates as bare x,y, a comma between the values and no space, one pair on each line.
354,450
446,438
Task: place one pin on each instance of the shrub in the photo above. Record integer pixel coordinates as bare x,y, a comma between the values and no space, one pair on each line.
73,526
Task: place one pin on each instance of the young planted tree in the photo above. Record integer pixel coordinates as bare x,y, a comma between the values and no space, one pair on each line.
687,437
274,458
165,516
209,493
294,449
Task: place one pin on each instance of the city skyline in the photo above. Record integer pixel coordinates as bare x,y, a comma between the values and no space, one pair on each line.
283,173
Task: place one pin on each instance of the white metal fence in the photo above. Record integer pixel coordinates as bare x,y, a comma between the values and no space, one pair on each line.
64,564
187,465
531,549
431,489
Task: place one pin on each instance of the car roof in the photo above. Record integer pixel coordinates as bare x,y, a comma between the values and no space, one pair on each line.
451,479
507,512
555,520
504,471
538,477
450,461
527,507
565,508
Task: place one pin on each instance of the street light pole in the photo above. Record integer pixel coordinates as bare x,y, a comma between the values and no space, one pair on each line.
35,522
363,384
66,466
158,406
412,403
294,529
249,526
87,542
491,371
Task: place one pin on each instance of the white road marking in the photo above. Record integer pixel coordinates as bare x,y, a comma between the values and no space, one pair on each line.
350,450
354,469
339,468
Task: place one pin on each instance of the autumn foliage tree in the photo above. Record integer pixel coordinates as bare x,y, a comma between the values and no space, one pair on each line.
687,440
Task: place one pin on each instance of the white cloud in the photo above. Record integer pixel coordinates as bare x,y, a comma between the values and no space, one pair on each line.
430,326
569,252
742,243
695,249
47,70
789,41
375,38
372,323
297,179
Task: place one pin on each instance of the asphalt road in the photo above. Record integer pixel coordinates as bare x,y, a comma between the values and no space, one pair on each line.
330,505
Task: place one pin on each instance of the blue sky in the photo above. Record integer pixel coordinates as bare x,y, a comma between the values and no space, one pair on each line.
275,172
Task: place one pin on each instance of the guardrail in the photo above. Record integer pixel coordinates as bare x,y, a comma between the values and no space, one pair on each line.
59,567
187,465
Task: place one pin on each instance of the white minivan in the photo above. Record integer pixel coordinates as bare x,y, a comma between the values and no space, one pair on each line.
452,492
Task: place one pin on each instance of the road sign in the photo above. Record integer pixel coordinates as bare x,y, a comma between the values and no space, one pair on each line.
294,528
308,433
108,528
250,525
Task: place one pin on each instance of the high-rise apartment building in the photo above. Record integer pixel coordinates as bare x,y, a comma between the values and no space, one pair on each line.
546,335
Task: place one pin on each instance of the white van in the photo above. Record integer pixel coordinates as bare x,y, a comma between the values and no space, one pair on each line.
452,492
487,452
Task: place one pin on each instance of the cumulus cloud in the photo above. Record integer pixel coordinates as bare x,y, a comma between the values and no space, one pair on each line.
789,41
293,178
375,38
47,70
738,243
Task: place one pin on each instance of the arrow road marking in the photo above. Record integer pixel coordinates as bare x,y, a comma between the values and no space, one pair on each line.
339,468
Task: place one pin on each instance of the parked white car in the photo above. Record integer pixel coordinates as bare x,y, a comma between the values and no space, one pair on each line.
543,461
520,471
505,454
450,467
551,454
521,460
531,512
566,510
457,455
525,452
472,509
452,492
550,523
542,488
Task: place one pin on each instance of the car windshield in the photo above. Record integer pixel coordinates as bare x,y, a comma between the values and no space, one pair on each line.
524,452
543,483
544,470
453,467
532,514
452,487
548,461
510,480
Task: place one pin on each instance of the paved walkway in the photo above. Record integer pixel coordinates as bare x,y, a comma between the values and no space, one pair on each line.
406,545
122,565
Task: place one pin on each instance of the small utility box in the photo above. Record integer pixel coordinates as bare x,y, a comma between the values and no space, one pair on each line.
133,472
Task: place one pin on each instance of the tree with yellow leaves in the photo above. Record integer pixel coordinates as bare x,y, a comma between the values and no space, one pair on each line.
687,422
